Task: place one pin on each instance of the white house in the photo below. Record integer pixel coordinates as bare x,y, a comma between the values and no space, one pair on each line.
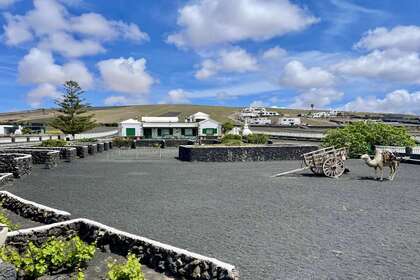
209,128
259,121
255,112
171,127
130,128
289,121
198,117
8,129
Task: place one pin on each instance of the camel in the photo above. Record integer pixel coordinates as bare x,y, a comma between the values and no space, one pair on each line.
380,160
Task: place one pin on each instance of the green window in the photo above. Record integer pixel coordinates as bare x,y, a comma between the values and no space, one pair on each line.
130,131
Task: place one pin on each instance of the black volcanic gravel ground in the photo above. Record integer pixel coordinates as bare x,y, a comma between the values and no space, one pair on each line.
296,227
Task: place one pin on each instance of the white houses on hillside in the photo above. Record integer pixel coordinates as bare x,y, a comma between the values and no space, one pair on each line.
255,112
197,125
289,121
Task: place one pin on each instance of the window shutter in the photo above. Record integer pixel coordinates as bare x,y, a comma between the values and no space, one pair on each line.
159,132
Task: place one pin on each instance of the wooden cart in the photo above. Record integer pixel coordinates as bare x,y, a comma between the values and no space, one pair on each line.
328,162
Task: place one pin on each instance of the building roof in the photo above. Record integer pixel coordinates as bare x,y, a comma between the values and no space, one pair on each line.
160,119
200,114
130,121
170,124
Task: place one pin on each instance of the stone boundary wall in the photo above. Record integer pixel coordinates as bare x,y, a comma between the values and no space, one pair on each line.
82,151
163,142
244,153
100,147
5,177
67,153
48,157
17,164
175,262
32,210
92,149
106,146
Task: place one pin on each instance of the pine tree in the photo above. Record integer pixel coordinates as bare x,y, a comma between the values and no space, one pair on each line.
73,118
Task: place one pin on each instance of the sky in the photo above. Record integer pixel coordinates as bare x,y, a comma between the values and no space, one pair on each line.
354,55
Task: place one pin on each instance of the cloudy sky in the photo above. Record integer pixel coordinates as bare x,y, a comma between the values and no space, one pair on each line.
348,54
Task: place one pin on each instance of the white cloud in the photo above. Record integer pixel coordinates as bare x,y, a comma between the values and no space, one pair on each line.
36,96
6,3
97,26
296,75
391,65
405,38
177,96
16,31
66,45
38,67
127,76
274,53
208,22
237,60
320,97
52,25
399,101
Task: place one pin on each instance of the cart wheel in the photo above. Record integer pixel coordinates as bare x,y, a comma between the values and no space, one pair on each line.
333,167
317,170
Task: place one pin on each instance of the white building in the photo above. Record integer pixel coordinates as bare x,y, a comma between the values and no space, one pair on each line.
198,117
9,129
255,112
130,128
171,128
325,114
289,121
259,121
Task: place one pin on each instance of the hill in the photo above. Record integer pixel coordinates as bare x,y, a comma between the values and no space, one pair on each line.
118,113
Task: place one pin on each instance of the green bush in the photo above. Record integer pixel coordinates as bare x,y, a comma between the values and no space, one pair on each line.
227,126
53,143
233,142
54,255
122,142
257,139
229,137
131,270
362,137
6,221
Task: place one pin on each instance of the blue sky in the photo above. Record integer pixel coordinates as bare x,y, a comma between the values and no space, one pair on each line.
347,54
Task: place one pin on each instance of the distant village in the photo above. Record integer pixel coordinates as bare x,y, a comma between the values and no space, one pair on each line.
202,125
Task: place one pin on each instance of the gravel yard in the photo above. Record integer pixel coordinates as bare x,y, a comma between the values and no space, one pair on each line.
296,227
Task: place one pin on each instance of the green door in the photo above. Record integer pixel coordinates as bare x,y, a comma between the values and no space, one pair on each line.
130,131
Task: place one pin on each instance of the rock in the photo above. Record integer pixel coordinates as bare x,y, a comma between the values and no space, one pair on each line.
7,271
196,272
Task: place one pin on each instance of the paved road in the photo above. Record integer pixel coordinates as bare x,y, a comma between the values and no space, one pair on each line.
297,227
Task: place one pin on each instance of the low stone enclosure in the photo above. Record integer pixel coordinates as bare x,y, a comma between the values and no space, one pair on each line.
47,157
17,164
67,153
5,177
31,210
244,153
82,151
163,258
172,261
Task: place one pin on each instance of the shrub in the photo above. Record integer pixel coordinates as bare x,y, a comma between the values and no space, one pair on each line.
53,143
4,219
53,255
131,270
26,130
362,137
233,142
229,137
227,126
257,138
122,142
